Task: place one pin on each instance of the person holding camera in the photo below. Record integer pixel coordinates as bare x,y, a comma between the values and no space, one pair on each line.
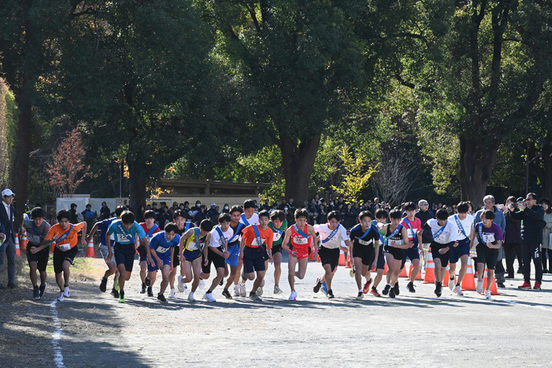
532,215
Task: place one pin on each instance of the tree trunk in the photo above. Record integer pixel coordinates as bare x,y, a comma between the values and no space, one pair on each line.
545,175
137,183
298,162
477,160
19,176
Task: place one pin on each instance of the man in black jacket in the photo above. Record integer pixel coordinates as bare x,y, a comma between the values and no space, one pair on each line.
7,250
531,237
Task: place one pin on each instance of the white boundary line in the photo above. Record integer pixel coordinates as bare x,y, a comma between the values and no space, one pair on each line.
56,336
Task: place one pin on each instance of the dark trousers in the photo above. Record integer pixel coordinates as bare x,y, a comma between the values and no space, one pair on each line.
511,251
531,251
8,253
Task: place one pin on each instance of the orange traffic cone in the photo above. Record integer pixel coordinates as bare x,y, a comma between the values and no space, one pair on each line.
385,269
342,259
403,272
468,282
429,277
493,288
24,241
348,263
17,249
418,276
446,278
90,249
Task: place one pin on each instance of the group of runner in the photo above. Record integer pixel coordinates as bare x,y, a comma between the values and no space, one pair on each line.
243,244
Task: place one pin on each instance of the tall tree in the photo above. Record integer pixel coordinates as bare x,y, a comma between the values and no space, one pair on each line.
139,74
481,77
306,66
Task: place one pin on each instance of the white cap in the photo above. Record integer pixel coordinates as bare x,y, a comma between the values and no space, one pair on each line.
7,193
213,204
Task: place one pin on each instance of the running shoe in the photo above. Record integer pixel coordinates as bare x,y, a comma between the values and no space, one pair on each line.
115,293
143,291
410,287
66,292
36,293
458,290
451,284
209,297
226,294
150,291
360,295
116,286
438,289
60,297
277,290
479,287
375,292
122,297
525,285
103,285
42,288
318,285
500,284
366,287
161,298
537,285
172,294
324,288
386,289
260,289
236,290
242,289
396,288
293,295
330,294
180,284
253,296
392,292
191,296
488,294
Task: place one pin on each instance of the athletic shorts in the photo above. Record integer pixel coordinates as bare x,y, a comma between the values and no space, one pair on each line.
329,256
176,257
41,258
234,259
253,259
166,261
104,251
486,255
266,257
381,259
276,249
397,253
124,254
301,251
410,253
192,255
60,256
143,253
436,255
365,252
215,259
463,248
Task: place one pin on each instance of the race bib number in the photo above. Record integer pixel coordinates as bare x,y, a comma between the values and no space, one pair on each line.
365,242
35,239
64,247
161,250
488,238
301,241
276,237
121,239
254,242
